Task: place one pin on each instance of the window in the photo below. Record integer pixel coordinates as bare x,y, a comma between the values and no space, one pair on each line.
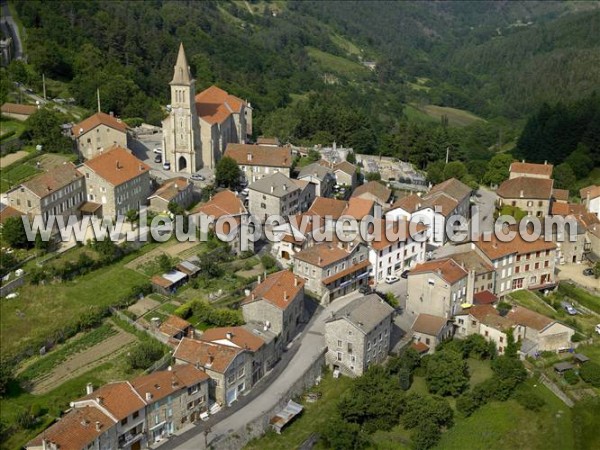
501,339
339,356
170,412
190,405
339,343
124,421
474,323
486,333
136,414
517,269
241,387
349,347
427,341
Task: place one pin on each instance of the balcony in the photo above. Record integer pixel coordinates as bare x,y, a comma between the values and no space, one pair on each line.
125,440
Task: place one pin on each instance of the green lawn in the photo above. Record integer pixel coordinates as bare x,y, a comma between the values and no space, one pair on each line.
581,296
17,173
456,117
530,300
314,416
480,370
414,114
41,311
513,211
502,425
337,64
10,126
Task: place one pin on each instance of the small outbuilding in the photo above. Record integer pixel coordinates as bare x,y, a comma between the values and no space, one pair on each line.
167,283
285,416
580,358
563,367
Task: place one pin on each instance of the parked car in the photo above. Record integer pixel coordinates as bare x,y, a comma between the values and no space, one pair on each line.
158,158
588,272
569,309
197,176
245,191
598,328
405,273
390,279
157,150
167,165
365,290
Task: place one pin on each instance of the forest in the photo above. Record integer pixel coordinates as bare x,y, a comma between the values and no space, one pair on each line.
516,65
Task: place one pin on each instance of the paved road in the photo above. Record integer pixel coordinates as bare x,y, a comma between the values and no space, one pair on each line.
10,27
485,200
574,272
311,342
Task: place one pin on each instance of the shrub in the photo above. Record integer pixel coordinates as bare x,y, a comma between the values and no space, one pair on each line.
427,435
144,354
184,311
447,373
404,378
571,377
590,373
268,261
577,337
467,404
529,400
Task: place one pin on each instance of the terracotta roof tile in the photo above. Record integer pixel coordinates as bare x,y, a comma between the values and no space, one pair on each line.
448,269
480,311
346,167
9,212
259,155
323,254
593,190
214,105
410,203
117,165
378,190
53,180
263,140
169,189
495,248
528,318
531,168
453,188
472,261
75,430
120,399
323,206
420,347
538,188
224,203
15,108
273,288
561,195
216,357
359,208
429,324
484,298
240,338
174,325
99,118
560,209
163,383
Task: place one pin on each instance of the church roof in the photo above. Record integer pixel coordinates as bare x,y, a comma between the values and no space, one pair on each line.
181,72
214,105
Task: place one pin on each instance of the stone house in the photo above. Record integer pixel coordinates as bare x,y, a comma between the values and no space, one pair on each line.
230,368
228,208
437,287
275,195
486,321
58,192
332,269
374,190
590,198
345,174
481,269
176,328
358,335
531,195
257,161
277,303
531,170
261,343
321,176
177,190
117,181
98,133
431,330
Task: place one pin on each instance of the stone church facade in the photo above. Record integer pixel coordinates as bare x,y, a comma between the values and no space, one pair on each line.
199,126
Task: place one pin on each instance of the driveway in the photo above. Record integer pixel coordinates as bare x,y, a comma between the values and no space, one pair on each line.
574,272
311,342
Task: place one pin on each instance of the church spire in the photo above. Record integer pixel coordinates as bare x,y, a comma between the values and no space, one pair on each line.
181,74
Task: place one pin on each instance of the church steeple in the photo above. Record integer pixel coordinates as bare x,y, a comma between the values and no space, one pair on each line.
181,73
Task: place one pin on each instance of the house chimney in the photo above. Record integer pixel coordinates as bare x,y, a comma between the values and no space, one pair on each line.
259,279
295,281
249,156
112,114
523,161
148,396
118,165
253,296
170,368
285,297
521,194
545,162
229,335
97,425
99,400
272,189
89,388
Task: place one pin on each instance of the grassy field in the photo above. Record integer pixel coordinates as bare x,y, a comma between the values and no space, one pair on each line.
27,319
581,296
414,114
343,43
456,117
9,126
529,300
336,64
17,173
314,416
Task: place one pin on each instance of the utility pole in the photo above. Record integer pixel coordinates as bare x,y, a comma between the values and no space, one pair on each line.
98,95
44,85
447,154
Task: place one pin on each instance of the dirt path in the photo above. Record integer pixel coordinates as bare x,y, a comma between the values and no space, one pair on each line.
83,362
171,250
7,160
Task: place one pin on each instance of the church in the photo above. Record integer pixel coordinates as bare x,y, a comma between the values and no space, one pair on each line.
199,126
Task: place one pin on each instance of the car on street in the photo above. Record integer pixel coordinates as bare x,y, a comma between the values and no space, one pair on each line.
245,191
405,273
598,328
167,165
390,279
158,158
197,176
157,150
588,272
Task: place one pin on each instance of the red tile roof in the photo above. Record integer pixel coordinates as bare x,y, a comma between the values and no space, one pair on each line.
174,325
593,191
495,248
260,155
277,289
323,254
163,383
484,298
480,311
323,206
420,347
214,105
537,188
117,166
75,430
97,119
531,168
410,203
359,208
529,318
375,188
560,209
9,212
224,203
448,269
169,189
119,399
216,357
453,188
240,337
561,195
346,167
15,108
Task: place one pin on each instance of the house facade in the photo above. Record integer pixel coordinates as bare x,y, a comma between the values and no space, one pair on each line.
430,330
117,181
177,190
321,176
358,335
258,161
590,198
274,195
98,133
531,195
